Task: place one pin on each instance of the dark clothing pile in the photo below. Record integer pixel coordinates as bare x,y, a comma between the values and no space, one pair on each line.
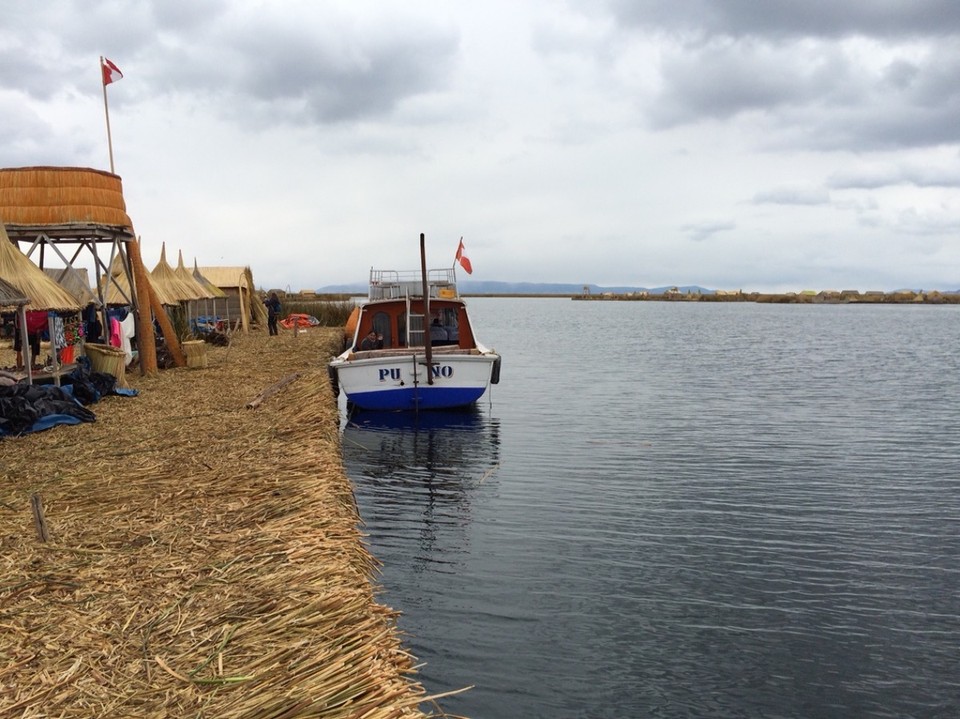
89,386
29,408
23,405
218,339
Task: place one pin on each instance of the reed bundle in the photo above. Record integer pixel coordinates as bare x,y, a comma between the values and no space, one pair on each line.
196,351
61,195
204,558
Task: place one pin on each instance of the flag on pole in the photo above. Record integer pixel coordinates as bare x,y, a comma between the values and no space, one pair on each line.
111,73
463,259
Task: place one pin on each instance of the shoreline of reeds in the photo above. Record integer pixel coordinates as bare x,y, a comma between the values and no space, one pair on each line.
204,558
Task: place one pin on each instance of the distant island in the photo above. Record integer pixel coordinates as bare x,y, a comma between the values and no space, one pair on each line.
808,297
686,293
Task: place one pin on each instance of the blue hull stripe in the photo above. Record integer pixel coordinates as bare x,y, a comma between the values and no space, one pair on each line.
417,398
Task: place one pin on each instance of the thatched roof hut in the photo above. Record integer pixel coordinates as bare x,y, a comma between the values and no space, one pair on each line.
187,277
30,281
164,277
10,296
74,280
47,206
242,299
215,291
119,291
19,271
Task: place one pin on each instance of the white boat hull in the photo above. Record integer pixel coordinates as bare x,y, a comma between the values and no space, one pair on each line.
399,381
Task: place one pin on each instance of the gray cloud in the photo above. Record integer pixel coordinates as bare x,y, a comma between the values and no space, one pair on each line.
814,95
265,64
875,177
790,19
792,196
820,75
724,79
316,72
705,230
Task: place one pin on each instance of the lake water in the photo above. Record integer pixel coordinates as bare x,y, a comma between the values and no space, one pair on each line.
682,510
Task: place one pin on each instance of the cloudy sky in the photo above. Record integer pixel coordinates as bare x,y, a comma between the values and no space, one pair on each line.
755,144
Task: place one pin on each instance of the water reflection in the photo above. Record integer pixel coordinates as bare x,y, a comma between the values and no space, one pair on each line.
416,477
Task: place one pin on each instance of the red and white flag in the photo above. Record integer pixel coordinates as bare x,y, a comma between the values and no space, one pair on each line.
111,73
463,259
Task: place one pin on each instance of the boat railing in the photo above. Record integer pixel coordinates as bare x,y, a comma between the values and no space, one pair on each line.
397,284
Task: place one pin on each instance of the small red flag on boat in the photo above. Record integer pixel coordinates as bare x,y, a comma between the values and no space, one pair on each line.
111,73
463,259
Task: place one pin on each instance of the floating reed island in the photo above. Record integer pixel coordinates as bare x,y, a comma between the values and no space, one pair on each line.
202,554
807,297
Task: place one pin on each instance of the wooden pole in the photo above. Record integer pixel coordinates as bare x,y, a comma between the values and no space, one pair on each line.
26,355
272,390
146,339
166,329
426,309
55,362
39,521
106,111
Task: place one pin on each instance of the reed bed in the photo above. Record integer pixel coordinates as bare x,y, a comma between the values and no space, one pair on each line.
204,558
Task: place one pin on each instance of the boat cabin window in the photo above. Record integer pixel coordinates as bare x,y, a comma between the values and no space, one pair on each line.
381,323
443,327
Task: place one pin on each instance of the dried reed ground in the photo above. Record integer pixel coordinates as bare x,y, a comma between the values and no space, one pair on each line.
205,559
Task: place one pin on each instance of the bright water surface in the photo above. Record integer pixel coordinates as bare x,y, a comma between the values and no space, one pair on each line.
683,510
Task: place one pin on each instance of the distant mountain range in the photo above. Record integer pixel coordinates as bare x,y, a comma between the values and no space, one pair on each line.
472,287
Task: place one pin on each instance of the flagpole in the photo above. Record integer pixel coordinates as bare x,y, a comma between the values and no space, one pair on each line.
106,111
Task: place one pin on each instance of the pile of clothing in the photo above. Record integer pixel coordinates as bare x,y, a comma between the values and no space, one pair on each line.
31,408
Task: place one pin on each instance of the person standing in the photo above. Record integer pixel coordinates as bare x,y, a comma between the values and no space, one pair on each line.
36,324
274,308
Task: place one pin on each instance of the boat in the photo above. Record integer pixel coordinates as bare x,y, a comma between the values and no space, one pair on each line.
426,355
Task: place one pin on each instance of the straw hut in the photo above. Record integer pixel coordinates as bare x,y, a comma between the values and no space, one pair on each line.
74,280
203,292
11,297
50,207
215,292
166,279
19,271
242,301
119,292
54,206
31,282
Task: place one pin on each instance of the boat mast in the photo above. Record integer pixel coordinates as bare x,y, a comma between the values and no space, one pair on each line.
426,309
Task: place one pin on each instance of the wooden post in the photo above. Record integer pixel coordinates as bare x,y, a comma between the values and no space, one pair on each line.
39,521
272,390
146,339
169,334
26,355
54,360
106,111
426,309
